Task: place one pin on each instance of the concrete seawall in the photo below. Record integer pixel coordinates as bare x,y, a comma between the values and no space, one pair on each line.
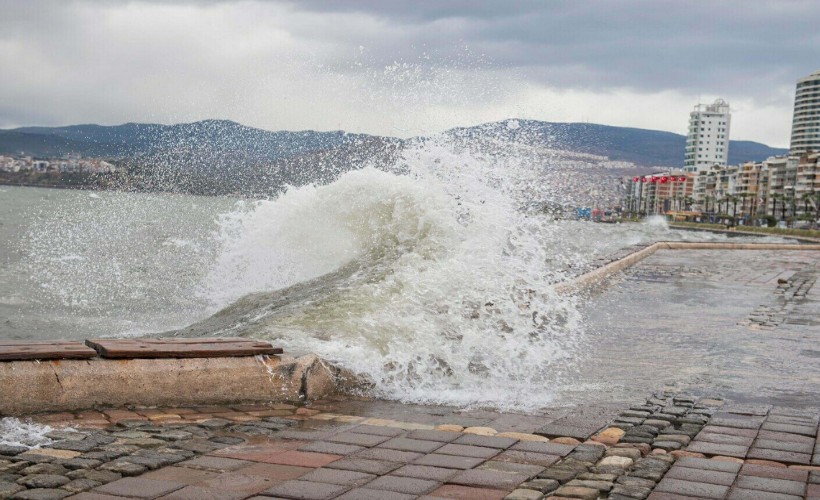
39,386
590,279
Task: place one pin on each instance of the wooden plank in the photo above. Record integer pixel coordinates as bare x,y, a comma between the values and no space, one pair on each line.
181,347
18,350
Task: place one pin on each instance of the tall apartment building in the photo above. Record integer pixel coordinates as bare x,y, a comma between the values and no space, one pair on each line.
806,120
707,142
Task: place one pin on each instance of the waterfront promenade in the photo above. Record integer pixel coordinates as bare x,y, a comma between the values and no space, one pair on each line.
714,394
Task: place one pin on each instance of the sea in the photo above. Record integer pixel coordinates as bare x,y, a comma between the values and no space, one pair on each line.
434,281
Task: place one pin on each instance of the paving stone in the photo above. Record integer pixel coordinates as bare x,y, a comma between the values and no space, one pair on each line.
792,446
425,472
802,430
771,485
125,468
404,457
544,448
448,461
43,481
139,487
300,458
744,494
711,437
368,494
219,464
10,451
434,435
467,451
332,448
632,453
577,492
707,464
200,493
490,479
378,467
7,489
524,494
378,430
666,445
730,450
558,430
779,456
732,431
181,475
774,472
635,482
526,457
458,492
736,421
693,489
500,443
588,483
306,490
542,485
46,468
408,485
338,476
414,445
623,492
560,474
276,472
702,476
80,485
365,440
41,494
238,482
527,469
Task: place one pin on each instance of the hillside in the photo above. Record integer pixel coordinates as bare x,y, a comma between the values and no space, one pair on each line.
647,148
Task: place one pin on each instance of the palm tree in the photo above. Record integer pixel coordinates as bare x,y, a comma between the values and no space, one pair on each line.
805,198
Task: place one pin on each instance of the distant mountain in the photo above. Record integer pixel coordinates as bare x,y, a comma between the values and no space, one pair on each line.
220,156
647,148
135,139
222,138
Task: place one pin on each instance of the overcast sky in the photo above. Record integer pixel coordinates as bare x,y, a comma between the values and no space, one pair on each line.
405,67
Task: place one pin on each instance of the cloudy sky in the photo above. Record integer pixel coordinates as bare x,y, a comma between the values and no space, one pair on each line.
405,67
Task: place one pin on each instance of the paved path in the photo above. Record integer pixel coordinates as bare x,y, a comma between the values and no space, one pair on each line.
664,447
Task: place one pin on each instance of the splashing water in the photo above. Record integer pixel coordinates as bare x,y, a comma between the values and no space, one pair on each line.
432,282
15,432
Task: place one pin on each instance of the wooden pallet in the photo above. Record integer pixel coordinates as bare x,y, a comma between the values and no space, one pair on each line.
180,347
18,350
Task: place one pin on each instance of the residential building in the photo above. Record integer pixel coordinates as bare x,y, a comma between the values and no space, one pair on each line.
806,118
707,141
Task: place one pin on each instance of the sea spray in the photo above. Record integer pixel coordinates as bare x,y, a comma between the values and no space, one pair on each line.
433,283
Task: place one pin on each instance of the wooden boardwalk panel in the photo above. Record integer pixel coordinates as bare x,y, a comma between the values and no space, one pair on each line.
17,350
181,348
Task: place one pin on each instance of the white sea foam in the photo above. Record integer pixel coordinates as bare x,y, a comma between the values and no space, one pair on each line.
16,432
451,301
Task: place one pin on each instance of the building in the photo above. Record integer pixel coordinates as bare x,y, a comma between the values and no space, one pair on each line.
707,142
806,120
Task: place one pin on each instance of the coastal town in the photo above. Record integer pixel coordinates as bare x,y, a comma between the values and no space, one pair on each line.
781,190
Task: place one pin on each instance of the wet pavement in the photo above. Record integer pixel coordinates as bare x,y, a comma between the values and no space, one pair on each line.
744,324
699,380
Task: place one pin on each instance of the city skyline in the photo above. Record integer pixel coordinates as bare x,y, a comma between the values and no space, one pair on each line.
397,69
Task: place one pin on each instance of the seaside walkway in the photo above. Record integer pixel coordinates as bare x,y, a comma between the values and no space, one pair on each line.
744,423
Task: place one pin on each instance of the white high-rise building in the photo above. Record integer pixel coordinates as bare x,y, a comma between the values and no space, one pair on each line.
707,143
806,121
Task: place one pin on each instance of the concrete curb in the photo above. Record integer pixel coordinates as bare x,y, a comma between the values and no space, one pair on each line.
586,281
728,232
62,385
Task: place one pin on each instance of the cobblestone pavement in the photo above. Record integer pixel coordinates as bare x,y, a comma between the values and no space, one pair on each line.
670,446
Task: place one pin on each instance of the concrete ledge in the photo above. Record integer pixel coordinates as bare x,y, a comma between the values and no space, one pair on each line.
39,386
588,280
